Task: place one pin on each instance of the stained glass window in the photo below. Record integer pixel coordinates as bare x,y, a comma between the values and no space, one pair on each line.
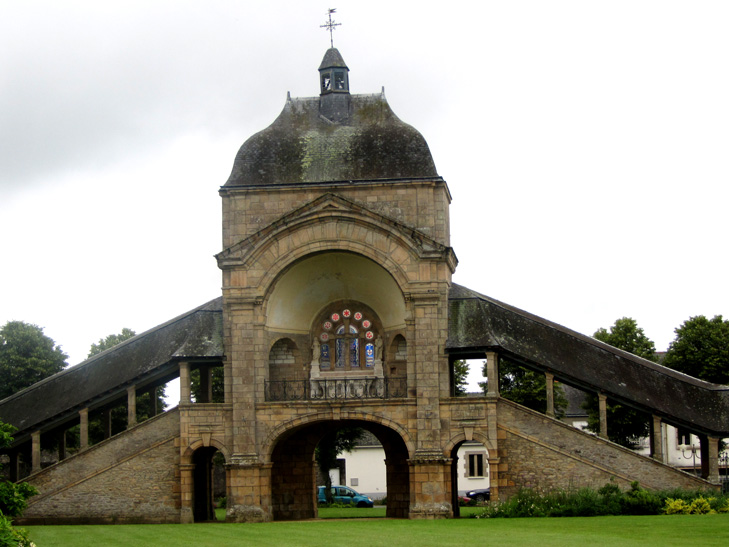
340,333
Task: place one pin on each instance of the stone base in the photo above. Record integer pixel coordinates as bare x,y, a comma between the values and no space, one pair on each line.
431,511
246,513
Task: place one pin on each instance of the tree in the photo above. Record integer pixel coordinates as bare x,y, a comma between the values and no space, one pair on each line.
626,426
460,377
111,341
13,497
27,356
625,334
331,445
701,349
526,387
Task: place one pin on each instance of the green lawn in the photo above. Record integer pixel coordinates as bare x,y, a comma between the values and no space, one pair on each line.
678,530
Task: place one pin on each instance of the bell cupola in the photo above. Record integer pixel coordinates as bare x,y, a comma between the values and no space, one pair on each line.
333,73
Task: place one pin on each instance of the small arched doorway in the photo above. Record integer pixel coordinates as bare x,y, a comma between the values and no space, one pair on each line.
208,482
294,472
469,474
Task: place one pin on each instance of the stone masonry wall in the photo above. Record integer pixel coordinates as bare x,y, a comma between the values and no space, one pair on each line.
538,451
132,477
422,205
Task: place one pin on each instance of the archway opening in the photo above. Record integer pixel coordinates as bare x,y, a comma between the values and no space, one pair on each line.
209,482
470,475
295,485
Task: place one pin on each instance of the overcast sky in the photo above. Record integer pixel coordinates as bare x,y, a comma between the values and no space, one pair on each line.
584,143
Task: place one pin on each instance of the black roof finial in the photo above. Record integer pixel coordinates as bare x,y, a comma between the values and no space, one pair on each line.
330,26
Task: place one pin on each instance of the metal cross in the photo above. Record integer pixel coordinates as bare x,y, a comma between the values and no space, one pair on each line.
330,26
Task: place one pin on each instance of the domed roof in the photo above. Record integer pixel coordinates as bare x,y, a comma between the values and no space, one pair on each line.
333,137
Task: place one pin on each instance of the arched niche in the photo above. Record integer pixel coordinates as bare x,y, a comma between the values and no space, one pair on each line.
312,283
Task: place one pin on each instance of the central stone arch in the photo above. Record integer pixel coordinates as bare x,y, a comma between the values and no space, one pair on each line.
293,468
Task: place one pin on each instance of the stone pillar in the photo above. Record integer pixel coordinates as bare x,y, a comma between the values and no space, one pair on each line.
494,477
550,393
185,388
35,451
492,374
131,406
187,500
250,493
713,459
84,429
709,447
656,439
430,486
602,403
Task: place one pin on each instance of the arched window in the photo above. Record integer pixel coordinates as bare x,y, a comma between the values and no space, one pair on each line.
347,341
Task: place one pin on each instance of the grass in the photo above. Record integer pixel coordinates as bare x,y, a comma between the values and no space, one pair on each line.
609,531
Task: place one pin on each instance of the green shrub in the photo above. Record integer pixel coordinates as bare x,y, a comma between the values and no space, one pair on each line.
222,502
700,506
607,500
13,537
676,507
14,496
637,501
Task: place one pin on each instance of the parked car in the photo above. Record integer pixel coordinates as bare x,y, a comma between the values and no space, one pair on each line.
344,494
479,496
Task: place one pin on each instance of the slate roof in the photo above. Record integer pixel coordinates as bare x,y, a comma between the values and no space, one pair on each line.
303,146
477,323
195,335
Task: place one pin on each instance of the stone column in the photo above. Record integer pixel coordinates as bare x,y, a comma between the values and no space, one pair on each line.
492,374
494,477
430,487
709,447
185,388
550,393
713,459
602,403
84,429
131,406
656,439
35,451
187,493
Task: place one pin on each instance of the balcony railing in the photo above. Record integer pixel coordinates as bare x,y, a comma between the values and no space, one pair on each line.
333,389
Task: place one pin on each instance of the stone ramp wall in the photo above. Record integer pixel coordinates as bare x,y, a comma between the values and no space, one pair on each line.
538,451
132,477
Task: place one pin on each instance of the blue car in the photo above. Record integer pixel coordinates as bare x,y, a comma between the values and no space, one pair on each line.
344,494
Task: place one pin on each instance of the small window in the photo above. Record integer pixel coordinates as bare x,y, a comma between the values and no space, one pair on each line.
474,464
683,436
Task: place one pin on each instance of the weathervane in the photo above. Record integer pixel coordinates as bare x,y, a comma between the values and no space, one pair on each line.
330,26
